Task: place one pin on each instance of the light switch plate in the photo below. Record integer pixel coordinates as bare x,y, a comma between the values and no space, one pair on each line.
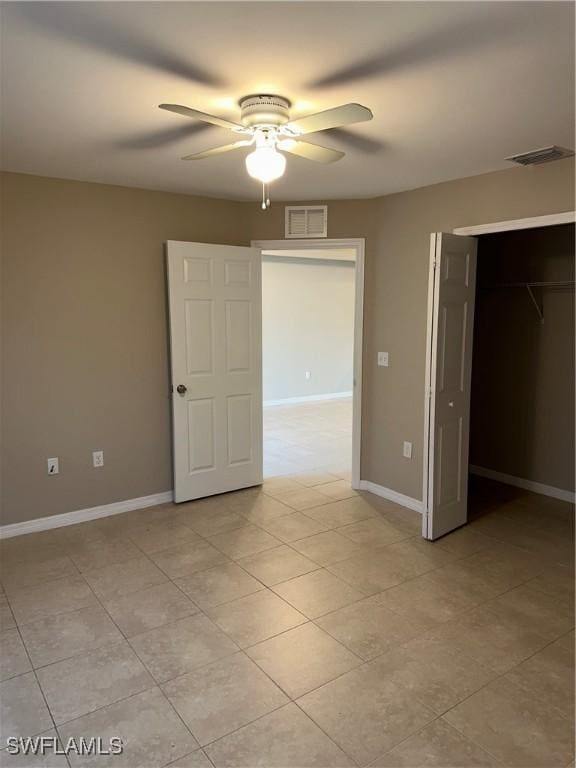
383,359
407,452
53,466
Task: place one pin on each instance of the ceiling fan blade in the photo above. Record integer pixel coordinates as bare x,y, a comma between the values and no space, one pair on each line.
331,118
310,151
179,109
218,150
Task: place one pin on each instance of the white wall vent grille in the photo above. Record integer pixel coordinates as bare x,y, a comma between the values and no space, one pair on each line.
306,221
544,155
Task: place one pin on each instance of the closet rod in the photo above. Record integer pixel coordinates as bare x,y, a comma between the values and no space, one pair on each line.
531,284
538,284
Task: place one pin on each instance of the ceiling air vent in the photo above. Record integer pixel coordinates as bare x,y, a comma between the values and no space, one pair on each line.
544,155
306,221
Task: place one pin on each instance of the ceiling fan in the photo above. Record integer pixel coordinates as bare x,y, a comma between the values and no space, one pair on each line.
265,124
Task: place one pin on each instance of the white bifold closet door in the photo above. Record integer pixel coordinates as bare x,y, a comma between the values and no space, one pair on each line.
215,303
449,368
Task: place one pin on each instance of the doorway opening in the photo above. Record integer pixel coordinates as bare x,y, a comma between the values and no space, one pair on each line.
521,457
501,361
311,362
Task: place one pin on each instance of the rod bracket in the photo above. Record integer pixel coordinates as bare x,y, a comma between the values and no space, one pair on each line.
539,306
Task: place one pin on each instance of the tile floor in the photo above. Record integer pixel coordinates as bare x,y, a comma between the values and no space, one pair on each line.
286,626
300,437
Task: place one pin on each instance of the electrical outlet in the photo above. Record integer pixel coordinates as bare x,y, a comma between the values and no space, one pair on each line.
383,359
307,375
53,466
97,458
407,452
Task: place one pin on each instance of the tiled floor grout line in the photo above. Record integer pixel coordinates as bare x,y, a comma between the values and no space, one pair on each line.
124,640
246,725
55,615
243,651
513,546
125,534
48,709
264,586
293,699
170,579
498,676
104,706
230,560
276,709
178,715
467,736
308,620
159,685
348,755
450,725
287,544
240,650
362,664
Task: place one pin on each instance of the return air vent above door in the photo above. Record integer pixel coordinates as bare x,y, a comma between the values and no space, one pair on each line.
306,221
544,155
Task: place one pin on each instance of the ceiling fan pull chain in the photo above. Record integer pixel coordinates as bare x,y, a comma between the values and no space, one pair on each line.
263,206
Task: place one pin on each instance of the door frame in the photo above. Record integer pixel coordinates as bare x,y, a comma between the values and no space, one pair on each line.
531,222
358,245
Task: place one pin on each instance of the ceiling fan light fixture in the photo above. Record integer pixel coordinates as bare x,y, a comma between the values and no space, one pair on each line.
265,164
265,122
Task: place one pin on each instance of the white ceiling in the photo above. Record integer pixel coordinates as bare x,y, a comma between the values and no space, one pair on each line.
455,87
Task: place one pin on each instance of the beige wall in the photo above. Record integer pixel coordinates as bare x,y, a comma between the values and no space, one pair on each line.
85,337
397,228
84,326
307,325
522,415
397,316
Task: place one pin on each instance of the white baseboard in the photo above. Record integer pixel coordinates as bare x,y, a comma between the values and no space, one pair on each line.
520,482
308,398
82,515
388,493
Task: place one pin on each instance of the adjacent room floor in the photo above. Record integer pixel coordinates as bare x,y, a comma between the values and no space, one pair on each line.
302,437
277,627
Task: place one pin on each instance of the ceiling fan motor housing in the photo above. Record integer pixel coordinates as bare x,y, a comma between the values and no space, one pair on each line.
264,110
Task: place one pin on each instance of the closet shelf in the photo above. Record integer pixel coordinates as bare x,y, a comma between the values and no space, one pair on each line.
530,285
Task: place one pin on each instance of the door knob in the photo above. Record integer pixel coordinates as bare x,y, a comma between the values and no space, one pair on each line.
181,389
451,403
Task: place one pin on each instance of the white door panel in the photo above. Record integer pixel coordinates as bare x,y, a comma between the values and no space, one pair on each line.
215,306
451,317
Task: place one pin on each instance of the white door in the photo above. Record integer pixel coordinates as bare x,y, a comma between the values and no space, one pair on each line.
215,300
449,368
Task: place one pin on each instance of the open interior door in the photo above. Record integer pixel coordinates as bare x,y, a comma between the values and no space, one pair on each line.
215,303
451,295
